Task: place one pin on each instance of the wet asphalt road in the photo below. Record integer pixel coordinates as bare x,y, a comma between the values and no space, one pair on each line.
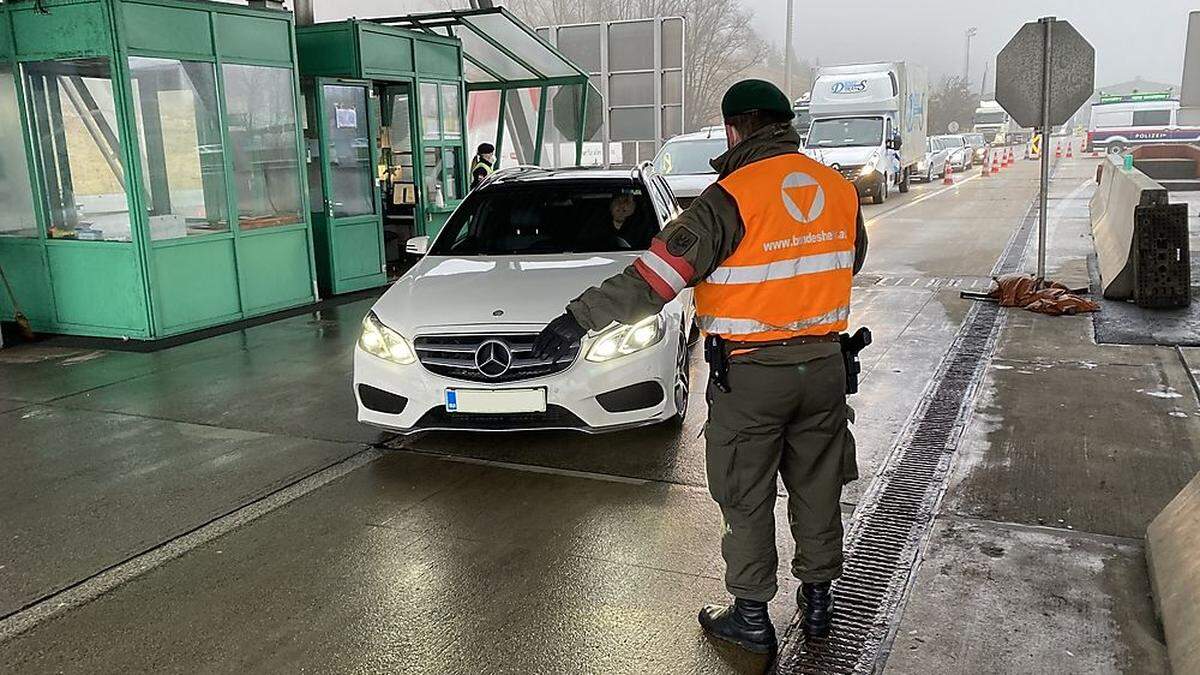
450,552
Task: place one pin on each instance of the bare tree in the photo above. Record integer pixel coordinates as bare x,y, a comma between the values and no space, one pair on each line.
719,43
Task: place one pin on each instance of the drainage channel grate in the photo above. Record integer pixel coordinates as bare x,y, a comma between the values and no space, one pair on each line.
895,515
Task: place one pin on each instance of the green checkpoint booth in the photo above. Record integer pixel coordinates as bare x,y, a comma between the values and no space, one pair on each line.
150,173
388,152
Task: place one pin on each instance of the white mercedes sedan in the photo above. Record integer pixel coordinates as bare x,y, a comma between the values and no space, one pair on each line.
449,345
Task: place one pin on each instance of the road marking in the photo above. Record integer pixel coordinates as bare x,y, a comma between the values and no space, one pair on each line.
918,200
122,573
529,468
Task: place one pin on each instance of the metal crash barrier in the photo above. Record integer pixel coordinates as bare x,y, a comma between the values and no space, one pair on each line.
1141,239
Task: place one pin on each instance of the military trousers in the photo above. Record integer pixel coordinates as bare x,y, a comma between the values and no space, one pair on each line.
788,420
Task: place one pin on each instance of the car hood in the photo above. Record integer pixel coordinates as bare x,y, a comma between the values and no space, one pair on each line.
852,156
687,185
443,291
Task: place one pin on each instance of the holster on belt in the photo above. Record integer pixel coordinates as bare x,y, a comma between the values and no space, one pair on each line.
851,346
717,357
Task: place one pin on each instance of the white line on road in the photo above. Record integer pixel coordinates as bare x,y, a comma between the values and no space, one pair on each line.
122,573
531,468
918,200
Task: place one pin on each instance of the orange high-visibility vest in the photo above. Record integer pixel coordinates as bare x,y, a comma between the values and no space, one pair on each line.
791,273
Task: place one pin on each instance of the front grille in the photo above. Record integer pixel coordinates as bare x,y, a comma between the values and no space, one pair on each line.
555,417
454,356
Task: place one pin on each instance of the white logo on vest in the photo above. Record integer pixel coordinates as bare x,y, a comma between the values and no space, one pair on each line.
803,196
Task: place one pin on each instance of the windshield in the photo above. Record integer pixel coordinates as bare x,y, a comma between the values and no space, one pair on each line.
846,133
991,117
953,141
689,157
550,218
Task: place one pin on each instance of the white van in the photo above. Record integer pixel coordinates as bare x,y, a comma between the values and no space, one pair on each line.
1120,122
869,123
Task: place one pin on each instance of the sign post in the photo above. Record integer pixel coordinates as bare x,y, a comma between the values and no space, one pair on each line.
1043,75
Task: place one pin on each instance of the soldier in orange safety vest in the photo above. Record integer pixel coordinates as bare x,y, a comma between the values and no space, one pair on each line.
771,249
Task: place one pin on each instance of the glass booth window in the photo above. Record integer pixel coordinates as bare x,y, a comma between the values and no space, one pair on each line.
562,125
77,145
451,119
348,150
261,108
520,125
431,120
16,199
483,118
183,163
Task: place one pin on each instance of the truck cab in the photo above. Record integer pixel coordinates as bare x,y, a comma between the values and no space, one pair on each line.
861,147
869,124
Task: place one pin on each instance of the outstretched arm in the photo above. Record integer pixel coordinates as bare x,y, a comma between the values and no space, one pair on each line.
682,255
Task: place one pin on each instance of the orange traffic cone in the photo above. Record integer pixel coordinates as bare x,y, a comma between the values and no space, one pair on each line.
1057,151
948,176
986,169
1008,157
996,164
1070,150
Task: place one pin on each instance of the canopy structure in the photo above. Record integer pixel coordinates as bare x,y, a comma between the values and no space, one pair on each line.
546,102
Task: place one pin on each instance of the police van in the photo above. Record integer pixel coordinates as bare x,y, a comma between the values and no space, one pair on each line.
1121,122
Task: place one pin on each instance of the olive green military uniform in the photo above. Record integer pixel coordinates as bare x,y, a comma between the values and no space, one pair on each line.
786,413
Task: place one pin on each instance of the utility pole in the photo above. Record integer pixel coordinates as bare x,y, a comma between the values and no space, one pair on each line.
971,32
787,54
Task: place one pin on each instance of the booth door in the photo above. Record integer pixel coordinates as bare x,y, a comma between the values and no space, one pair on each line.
351,226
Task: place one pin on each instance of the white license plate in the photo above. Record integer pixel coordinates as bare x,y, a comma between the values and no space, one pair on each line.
495,400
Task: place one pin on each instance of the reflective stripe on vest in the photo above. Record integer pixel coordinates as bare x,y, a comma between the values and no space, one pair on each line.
791,273
727,326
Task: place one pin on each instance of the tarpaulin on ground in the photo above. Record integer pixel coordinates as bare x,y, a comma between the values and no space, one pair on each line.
1044,297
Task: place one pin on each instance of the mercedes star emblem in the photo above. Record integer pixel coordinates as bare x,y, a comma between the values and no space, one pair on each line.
493,358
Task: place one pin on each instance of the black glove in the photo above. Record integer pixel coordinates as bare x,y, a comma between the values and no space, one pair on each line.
558,337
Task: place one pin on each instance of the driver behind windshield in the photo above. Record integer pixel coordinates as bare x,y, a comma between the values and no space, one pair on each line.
622,228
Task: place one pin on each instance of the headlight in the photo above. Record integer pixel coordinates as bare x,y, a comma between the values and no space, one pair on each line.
869,168
623,339
379,340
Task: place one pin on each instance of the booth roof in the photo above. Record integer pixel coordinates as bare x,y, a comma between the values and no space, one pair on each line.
498,48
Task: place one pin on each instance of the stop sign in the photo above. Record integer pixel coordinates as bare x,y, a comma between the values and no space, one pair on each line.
1019,69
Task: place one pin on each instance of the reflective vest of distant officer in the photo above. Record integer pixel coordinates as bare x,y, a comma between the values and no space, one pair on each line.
482,164
770,249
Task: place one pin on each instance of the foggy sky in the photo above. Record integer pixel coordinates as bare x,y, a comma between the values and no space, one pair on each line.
1133,38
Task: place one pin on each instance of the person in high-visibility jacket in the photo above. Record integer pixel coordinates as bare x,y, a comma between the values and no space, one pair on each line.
771,249
483,163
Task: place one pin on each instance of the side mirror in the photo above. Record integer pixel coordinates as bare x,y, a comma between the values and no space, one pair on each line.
417,245
893,144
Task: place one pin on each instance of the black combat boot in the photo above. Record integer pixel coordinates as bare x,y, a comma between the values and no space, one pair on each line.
744,623
817,601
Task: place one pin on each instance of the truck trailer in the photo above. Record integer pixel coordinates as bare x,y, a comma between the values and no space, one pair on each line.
869,123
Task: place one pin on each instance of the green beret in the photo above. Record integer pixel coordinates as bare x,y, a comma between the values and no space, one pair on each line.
749,95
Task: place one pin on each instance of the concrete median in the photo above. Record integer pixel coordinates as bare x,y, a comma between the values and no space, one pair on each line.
1173,555
1131,219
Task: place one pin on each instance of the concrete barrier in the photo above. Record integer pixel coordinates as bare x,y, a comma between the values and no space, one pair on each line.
1173,555
1112,211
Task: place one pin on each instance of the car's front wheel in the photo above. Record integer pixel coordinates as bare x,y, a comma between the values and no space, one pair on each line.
683,378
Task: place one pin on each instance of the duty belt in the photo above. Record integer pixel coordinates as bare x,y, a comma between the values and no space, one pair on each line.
733,347
718,350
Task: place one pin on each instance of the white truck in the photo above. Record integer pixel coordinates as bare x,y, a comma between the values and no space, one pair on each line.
869,123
